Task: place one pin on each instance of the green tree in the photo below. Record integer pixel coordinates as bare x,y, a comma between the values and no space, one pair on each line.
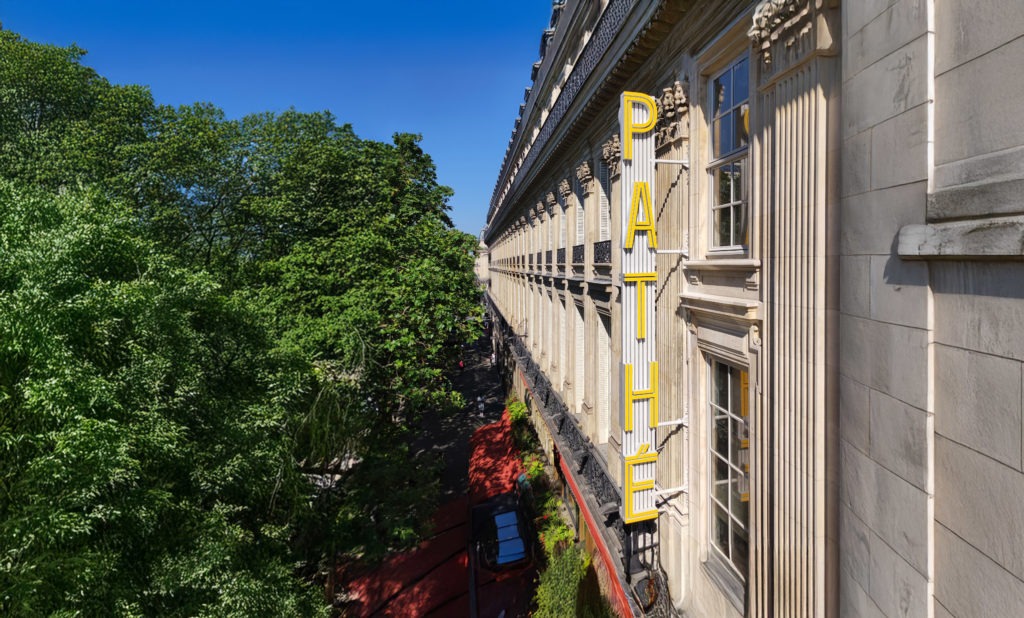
347,245
61,124
372,280
145,452
223,378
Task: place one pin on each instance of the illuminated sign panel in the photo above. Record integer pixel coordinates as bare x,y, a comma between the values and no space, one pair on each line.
638,115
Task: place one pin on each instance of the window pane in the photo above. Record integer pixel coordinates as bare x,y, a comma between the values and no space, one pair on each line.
735,394
722,492
720,384
739,178
721,94
740,79
740,551
721,469
740,499
721,441
723,227
734,452
723,184
721,530
742,125
723,135
739,229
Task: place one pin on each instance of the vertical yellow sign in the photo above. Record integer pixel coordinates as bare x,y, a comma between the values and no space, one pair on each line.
638,118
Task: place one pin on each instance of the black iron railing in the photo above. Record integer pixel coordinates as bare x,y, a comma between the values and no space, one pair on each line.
561,257
577,254
603,252
579,453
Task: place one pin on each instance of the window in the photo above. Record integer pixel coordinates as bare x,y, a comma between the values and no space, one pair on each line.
729,460
579,216
604,406
728,171
604,230
579,358
563,214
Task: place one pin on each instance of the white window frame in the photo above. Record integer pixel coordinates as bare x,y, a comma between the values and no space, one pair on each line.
580,214
736,415
738,205
604,215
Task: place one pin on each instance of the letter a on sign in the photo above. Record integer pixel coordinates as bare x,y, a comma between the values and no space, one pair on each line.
641,195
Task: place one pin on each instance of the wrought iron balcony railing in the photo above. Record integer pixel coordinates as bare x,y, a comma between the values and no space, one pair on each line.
577,254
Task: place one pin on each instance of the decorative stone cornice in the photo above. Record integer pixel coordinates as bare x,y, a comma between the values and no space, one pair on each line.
607,28
781,21
611,152
565,188
672,108
584,174
550,200
769,15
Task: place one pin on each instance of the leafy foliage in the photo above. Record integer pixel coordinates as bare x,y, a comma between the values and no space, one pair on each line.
216,337
61,124
143,465
559,583
517,412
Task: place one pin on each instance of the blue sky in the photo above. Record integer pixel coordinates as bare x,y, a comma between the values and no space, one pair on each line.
451,70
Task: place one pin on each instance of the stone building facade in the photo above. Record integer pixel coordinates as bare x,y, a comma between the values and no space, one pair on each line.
755,268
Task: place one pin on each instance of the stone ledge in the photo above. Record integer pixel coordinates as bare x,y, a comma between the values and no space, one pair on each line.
980,239
979,199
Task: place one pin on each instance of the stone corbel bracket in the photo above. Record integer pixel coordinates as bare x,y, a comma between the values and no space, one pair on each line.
564,189
584,175
672,108
611,152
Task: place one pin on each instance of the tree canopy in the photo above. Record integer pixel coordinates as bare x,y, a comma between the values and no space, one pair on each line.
216,336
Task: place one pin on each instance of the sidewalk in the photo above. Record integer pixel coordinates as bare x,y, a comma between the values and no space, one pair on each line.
433,579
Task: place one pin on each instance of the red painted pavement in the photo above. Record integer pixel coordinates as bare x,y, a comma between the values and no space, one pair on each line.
432,580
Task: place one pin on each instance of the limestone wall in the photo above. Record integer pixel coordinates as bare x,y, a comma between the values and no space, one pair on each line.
931,351
884,384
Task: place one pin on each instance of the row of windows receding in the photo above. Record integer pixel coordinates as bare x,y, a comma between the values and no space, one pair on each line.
728,400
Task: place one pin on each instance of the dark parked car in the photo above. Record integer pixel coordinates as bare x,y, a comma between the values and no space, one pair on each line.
501,533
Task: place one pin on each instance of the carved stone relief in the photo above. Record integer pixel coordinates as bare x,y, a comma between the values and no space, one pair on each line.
782,32
672,109
564,188
611,152
584,175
